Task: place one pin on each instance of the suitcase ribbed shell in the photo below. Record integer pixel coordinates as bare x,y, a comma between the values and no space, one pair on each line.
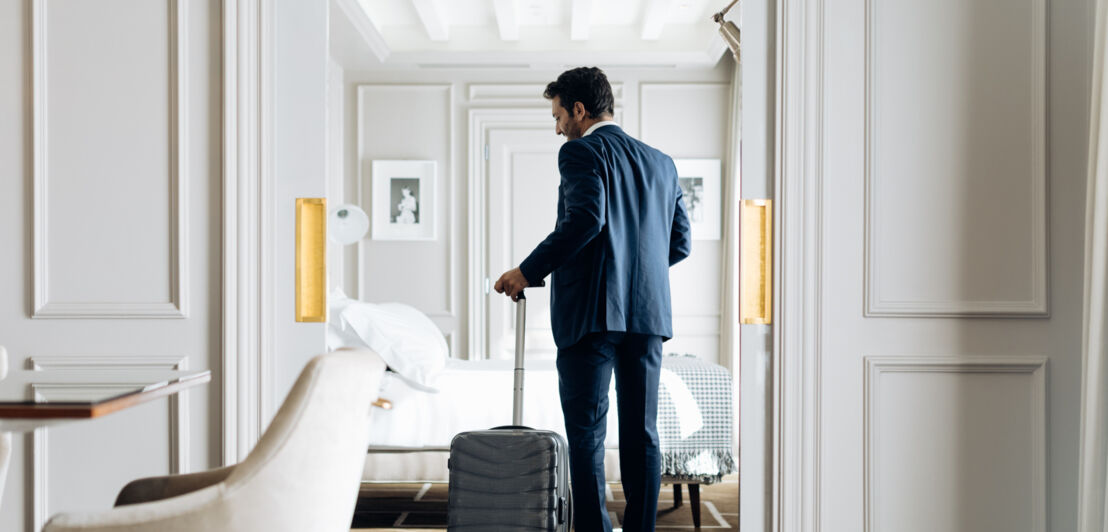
505,480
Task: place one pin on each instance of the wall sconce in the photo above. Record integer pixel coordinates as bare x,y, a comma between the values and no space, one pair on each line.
729,30
311,259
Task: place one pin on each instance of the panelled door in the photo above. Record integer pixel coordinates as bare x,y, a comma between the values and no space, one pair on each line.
522,209
110,208
946,181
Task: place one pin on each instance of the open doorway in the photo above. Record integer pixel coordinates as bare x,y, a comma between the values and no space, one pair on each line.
481,116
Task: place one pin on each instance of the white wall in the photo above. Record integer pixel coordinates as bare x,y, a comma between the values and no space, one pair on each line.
300,79
683,112
755,456
336,190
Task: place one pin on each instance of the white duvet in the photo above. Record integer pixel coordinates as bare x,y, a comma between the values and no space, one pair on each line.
473,395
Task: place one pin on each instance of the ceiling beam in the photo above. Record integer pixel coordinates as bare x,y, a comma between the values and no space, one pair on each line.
507,18
580,18
433,16
654,18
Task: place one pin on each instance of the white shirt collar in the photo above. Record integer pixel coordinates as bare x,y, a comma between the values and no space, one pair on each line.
599,125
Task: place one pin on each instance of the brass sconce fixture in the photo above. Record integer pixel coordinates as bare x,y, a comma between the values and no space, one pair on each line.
311,254
756,262
728,30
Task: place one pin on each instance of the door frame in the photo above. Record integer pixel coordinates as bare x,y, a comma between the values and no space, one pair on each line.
798,89
481,121
248,236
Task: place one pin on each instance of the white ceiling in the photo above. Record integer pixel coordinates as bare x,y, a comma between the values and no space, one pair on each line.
526,33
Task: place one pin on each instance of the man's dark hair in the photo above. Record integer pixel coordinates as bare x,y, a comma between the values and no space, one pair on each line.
587,85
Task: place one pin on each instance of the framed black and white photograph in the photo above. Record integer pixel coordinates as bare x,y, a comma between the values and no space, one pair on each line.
700,188
403,200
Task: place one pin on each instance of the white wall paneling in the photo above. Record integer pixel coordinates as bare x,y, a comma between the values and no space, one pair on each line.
909,155
122,431
956,223
112,200
955,443
98,254
483,100
411,121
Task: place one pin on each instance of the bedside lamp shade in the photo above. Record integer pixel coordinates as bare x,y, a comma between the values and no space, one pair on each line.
347,224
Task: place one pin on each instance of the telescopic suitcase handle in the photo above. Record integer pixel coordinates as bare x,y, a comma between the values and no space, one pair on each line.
521,325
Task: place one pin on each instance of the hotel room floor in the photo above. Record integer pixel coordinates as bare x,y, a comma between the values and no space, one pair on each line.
423,506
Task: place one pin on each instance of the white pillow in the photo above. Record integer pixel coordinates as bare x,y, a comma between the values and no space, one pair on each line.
408,341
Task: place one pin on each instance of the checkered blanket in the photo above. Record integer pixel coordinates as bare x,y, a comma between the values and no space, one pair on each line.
694,420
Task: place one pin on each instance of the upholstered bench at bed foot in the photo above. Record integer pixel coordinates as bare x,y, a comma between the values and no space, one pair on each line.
694,500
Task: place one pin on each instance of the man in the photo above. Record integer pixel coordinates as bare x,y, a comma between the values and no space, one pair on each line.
621,225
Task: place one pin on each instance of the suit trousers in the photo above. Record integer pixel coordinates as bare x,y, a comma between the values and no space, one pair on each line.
584,374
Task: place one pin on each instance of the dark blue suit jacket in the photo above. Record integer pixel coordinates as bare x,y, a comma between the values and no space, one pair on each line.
621,225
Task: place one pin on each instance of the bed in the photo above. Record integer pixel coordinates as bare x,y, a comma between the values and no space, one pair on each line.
410,442
435,397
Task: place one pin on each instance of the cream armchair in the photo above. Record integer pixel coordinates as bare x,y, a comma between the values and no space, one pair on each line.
302,476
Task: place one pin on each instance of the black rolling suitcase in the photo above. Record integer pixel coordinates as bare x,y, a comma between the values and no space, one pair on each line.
510,478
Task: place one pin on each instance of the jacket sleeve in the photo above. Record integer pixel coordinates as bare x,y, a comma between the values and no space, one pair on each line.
680,235
583,195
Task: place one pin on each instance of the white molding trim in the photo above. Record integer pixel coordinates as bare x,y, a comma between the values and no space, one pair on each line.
798,336
480,122
267,231
247,363
447,177
177,306
877,304
456,277
178,411
106,310
369,32
112,362
521,93
1036,367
